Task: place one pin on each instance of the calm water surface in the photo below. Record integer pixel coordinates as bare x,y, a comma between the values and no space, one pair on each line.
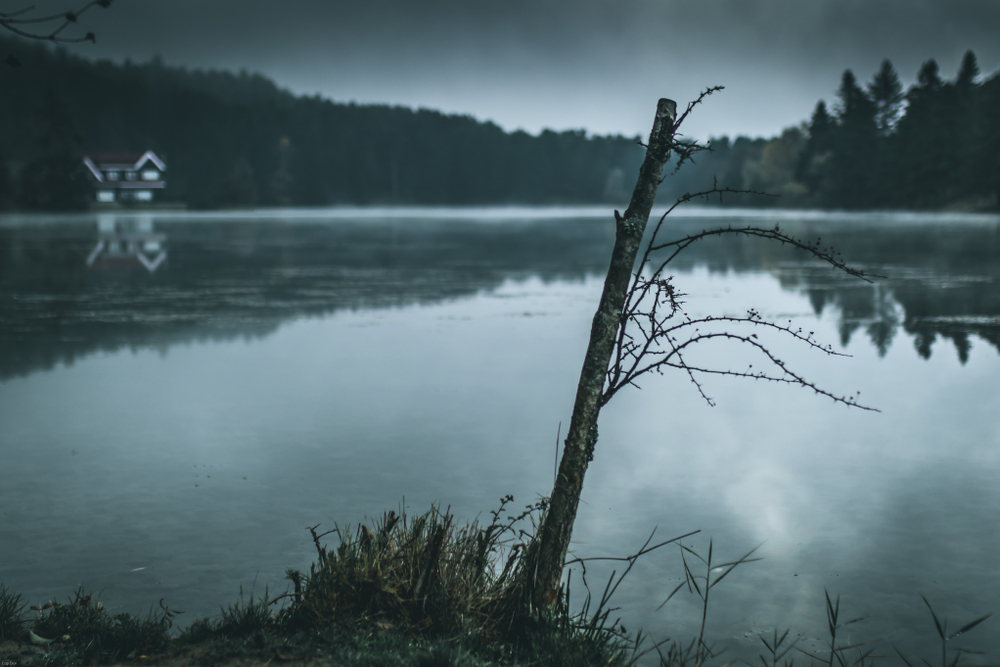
171,433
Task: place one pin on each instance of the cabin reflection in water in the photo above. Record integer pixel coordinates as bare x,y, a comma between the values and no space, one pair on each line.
127,240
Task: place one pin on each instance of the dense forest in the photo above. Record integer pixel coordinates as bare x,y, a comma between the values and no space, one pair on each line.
239,140
933,146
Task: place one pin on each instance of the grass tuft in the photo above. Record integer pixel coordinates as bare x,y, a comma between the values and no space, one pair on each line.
82,632
12,616
419,591
247,618
429,578
423,576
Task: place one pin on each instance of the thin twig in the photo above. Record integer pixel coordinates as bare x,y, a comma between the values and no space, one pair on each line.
11,20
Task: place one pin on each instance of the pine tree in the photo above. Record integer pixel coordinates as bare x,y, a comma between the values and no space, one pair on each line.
987,164
966,133
855,155
918,148
928,78
968,72
6,186
813,169
886,92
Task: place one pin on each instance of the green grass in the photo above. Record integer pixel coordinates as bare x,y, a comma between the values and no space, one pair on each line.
82,632
241,620
861,653
12,616
424,576
426,592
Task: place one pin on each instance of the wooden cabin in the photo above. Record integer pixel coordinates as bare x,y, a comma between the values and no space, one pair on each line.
126,178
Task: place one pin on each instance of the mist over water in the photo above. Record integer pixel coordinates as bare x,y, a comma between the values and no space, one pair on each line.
171,433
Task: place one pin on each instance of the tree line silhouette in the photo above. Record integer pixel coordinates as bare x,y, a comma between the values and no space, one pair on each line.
239,140
233,140
933,146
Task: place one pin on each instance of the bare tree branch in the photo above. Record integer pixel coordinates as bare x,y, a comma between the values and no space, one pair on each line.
641,327
13,21
647,343
686,150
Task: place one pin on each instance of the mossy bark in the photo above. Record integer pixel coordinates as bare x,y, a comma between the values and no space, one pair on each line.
557,528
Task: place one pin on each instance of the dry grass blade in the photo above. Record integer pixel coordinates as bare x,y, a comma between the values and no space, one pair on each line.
698,652
774,648
941,629
969,626
689,576
732,566
858,645
901,656
672,593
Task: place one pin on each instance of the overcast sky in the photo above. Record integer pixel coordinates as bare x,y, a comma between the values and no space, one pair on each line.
531,64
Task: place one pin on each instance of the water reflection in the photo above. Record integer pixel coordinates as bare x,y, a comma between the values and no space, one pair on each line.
940,277
101,283
122,242
940,283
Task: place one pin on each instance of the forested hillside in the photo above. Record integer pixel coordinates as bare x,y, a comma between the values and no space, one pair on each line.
238,140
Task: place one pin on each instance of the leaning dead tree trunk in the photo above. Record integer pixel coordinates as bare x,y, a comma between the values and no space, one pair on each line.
557,528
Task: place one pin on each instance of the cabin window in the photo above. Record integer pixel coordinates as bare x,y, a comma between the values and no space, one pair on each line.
150,175
105,195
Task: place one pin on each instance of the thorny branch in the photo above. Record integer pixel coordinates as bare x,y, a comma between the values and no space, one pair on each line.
651,336
686,150
13,21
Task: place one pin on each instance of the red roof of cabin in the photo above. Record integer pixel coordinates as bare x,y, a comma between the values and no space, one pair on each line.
115,158
123,160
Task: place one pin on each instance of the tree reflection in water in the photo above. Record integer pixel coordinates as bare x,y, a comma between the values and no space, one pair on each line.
227,276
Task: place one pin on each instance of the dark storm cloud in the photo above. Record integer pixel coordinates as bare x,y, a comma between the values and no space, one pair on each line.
598,64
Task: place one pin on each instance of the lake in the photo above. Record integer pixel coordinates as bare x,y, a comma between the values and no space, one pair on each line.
183,394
